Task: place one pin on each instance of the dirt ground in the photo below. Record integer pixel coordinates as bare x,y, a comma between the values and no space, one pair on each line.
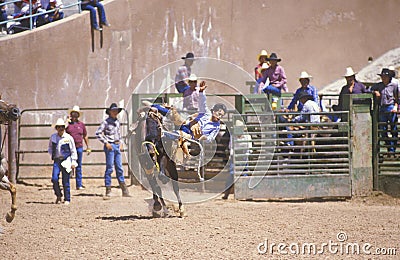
122,228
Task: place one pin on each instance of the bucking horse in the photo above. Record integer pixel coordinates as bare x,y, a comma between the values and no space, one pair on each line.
8,112
155,160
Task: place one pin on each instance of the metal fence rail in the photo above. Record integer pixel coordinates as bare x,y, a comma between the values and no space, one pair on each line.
292,148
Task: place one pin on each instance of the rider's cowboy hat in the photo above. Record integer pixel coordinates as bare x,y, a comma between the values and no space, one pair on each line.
75,109
304,94
273,56
189,56
113,107
60,122
305,75
349,72
263,53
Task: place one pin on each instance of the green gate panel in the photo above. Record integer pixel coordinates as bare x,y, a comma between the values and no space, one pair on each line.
293,186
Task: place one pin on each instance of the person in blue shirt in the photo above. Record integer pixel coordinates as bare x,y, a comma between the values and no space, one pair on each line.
304,80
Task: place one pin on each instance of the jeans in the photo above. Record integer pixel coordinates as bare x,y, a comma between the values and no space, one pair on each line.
113,156
100,8
273,90
78,171
57,168
389,119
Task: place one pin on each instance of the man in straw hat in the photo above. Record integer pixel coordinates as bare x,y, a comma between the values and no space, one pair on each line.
184,72
191,94
352,87
262,58
304,80
387,94
109,134
63,153
77,130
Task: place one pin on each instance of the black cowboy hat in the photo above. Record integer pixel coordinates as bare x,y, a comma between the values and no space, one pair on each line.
304,94
273,56
113,107
189,56
387,72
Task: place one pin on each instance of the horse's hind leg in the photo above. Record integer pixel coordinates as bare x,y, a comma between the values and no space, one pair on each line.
157,193
174,176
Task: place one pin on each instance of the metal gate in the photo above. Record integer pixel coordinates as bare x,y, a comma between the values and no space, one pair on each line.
274,158
386,162
34,131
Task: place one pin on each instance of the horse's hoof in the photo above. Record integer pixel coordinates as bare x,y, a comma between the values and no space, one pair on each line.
156,214
157,206
10,217
182,212
165,212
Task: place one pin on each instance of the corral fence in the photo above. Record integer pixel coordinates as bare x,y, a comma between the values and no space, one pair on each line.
35,129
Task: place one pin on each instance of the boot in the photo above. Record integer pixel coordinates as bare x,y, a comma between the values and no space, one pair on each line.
108,193
125,192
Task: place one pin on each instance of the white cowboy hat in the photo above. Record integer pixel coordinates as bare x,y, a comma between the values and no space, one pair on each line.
305,75
349,72
75,109
192,77
262,53
60,122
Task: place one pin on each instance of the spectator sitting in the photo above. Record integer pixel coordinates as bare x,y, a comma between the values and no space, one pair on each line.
309,107
276,75
305,87
57,14
184,72
352,87
262,58
264,66
90,6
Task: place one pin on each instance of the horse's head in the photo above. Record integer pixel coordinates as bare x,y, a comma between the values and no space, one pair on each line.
9,112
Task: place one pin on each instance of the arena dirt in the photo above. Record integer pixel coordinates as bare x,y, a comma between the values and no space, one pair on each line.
122,228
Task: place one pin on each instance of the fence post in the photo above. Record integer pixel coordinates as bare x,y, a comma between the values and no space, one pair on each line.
12,149
361,145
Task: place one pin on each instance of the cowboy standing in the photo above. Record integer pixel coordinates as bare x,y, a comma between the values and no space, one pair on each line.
352,87
63,153
109,134
304,80
77,130
387,95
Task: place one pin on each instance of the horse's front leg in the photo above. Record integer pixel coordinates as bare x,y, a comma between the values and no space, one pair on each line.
10,215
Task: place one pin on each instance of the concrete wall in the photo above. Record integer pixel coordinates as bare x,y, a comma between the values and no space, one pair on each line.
55,66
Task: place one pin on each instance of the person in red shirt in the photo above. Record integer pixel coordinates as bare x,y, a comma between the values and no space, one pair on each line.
77,130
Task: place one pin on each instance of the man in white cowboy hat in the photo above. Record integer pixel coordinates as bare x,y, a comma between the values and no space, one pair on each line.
63,153
109,134
184,72
352,87
304,80
77,130
387,96
191,94
262,59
